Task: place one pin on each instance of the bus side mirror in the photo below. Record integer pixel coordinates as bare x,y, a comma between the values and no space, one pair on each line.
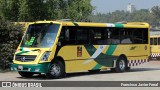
59,43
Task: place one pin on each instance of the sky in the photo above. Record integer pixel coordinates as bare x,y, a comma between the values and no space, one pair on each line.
105,6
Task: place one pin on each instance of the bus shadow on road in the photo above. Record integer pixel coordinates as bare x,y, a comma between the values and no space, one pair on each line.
70,75
143,69
77,74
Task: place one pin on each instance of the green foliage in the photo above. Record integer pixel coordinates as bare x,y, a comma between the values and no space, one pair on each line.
23,11
77,10
10,36
82,8
33,10
156,11
9,9
143,15
156,14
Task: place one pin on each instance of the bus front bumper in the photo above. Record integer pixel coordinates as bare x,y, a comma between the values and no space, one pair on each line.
36,68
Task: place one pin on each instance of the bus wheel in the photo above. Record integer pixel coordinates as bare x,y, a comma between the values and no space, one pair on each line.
56,70
94,71
26,74
121,65
128,69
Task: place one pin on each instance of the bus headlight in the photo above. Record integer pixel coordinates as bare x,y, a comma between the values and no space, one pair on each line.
45,56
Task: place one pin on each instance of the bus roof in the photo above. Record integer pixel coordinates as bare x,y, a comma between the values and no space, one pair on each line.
119,25
92,24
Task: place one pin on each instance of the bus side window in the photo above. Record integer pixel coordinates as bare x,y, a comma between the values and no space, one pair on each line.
108,34
140,35
126,36
62,34
159,41
97,36
145,36
155,41
113,36
91,36
137,36
151,41
82,36
68,36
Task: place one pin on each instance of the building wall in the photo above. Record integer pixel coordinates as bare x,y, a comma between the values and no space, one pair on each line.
131,8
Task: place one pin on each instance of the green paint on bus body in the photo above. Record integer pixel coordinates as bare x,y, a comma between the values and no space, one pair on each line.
119,25
22,51
75,24
109,53
43,67
98,66
111,49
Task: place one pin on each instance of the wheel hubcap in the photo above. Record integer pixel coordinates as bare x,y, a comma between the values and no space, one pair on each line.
55,69
122,65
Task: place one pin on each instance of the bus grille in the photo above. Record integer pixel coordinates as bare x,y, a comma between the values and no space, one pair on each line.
25,58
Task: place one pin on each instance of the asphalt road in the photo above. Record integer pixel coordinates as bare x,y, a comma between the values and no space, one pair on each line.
147,72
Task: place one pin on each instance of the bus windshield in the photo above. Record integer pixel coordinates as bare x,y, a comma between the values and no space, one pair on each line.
40,35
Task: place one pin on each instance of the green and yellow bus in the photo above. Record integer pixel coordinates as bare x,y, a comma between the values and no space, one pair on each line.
54,48
155,47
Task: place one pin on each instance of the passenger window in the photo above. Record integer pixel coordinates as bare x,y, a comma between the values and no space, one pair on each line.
68,36
126,36
98,36
140,36
155,41
158,41
82,36
113,36
151,41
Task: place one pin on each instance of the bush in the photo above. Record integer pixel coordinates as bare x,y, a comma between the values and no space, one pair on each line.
10,37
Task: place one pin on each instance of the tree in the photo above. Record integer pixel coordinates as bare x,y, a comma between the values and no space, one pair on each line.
32,10
53,9
23,11
13,10
143,15
156,14
3,9
73,9
9,9
156,11
79,10
10,36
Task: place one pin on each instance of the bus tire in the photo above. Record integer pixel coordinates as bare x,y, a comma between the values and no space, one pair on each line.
128,69
112,70
94,71
26,74
56,70
121,65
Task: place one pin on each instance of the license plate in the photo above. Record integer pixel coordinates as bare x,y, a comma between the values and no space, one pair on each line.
20,67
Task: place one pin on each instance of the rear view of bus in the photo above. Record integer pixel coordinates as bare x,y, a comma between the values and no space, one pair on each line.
155,47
